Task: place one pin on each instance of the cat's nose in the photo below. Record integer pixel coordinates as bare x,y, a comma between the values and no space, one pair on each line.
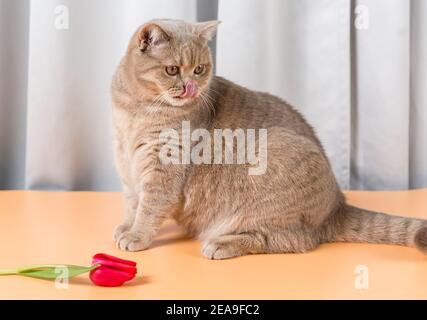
190,89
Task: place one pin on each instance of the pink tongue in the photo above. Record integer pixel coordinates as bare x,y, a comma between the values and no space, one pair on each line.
190,90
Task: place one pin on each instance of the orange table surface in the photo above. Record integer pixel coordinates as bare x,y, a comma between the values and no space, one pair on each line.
69,227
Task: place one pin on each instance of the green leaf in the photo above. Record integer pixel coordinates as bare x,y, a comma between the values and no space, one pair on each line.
54,271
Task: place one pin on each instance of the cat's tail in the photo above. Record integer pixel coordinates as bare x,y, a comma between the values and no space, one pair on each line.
351,224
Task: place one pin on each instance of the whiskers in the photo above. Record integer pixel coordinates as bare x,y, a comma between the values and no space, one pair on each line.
208,101
175,91
164,101
157,103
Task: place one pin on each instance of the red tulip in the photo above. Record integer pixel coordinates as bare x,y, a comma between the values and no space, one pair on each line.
112,271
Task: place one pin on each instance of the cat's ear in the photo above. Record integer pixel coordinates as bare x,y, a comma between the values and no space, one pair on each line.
207,30
150,35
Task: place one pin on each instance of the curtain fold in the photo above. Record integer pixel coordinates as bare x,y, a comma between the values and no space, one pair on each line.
418,94
380,154
363,86
14,20
300,51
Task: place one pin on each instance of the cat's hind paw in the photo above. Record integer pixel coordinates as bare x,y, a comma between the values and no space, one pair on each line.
217,250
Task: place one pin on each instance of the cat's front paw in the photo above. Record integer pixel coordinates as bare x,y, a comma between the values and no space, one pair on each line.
133,241
120,229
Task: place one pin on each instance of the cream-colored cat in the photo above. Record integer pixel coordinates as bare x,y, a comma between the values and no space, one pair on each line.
166,78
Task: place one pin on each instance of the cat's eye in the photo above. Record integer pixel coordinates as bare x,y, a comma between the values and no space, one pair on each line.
172,70
199,69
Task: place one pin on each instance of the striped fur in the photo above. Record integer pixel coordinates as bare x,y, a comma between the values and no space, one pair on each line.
351,224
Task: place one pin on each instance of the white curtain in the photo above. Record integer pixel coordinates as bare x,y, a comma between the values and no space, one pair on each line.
356,69
299,50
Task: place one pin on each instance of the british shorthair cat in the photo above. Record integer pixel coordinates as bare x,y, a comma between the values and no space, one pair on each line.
166,79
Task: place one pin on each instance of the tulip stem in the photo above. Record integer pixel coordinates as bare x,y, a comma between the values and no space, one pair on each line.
8,272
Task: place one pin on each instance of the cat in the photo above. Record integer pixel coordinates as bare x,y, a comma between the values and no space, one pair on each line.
165,78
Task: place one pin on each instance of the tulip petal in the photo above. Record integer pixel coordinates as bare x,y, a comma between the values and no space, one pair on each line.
112,271
106,277
115,263
112,258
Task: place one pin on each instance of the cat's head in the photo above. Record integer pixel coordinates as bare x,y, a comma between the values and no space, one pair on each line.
170,61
